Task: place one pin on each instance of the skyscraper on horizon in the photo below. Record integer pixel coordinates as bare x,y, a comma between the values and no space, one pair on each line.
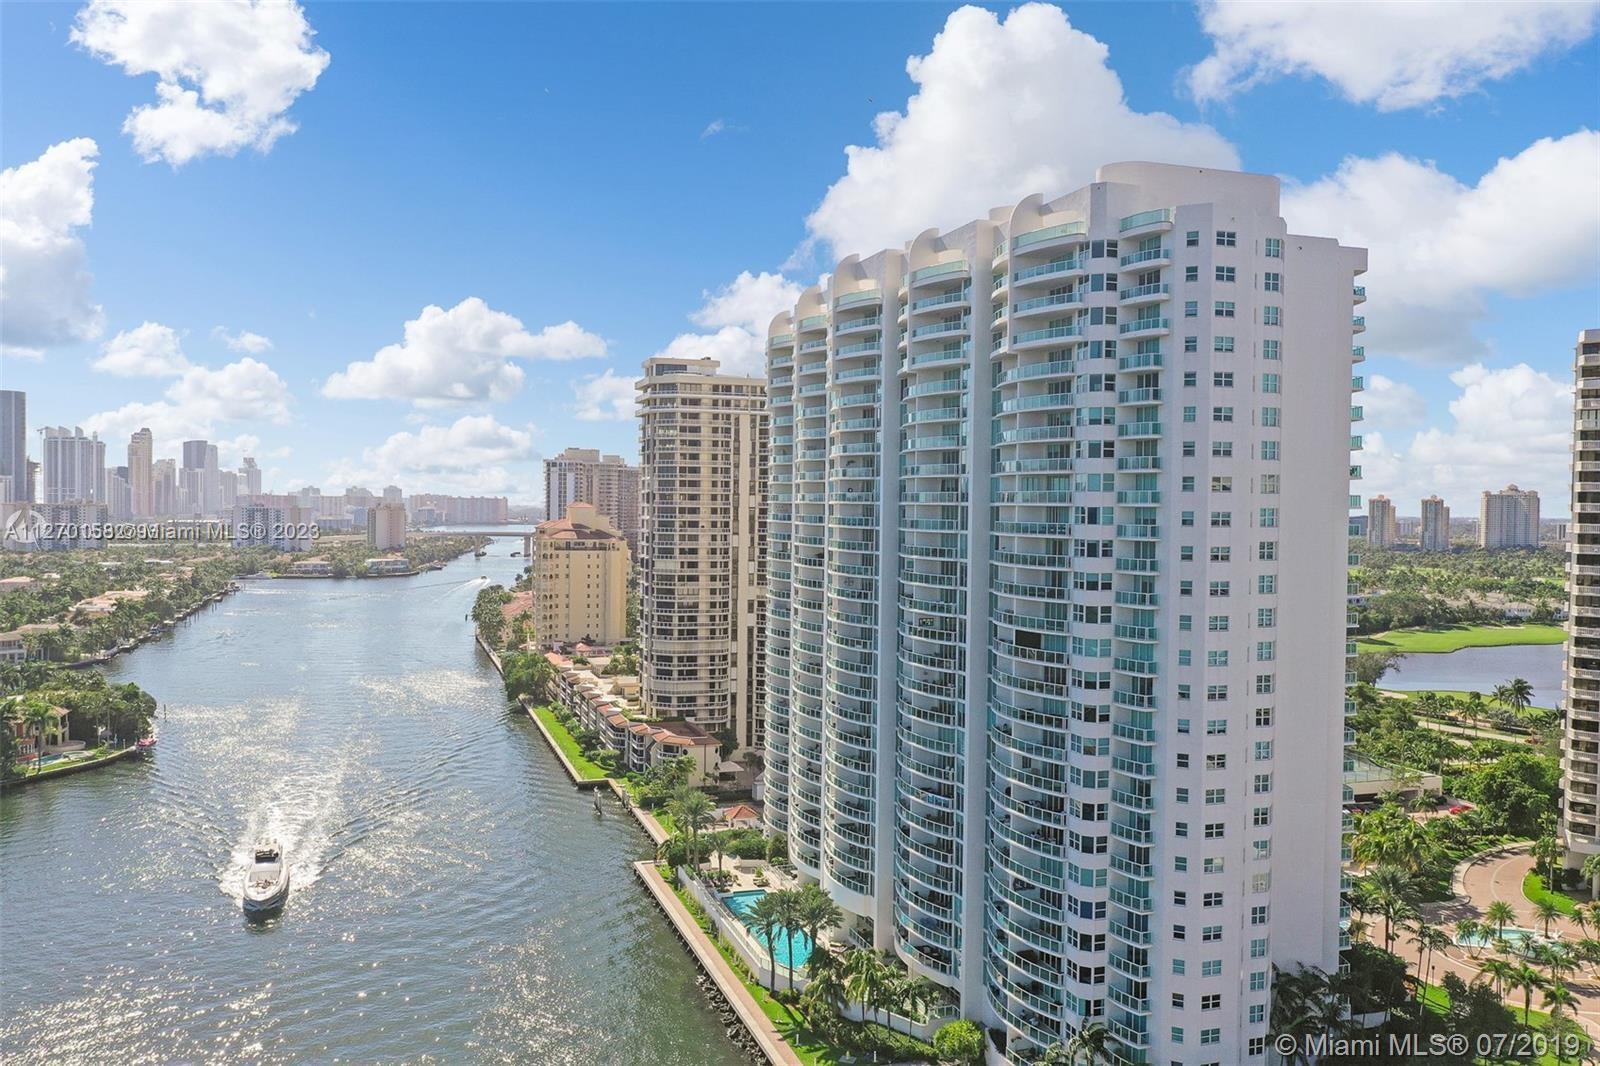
703,566
14,443
1435,525
1058,512
583,475
1382,529
74,466
141,472
1509,518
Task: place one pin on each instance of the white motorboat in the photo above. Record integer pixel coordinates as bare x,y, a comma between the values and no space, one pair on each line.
266,883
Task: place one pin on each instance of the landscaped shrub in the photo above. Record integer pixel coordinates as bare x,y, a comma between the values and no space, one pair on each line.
959,1041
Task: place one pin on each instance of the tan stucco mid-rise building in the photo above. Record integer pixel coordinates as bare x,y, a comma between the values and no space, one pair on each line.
580,578
703,557
386,526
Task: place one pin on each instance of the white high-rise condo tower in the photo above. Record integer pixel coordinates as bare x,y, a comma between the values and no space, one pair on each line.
703,565
1381,524
1056,656
1580,762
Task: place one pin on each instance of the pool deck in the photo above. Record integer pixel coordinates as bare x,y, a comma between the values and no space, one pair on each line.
771,1042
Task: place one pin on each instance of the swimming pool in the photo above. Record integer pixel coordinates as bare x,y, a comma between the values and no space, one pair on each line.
741,902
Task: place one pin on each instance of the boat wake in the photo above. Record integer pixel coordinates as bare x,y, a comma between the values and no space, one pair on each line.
300,814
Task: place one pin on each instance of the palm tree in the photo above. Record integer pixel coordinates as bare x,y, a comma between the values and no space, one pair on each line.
1547,852
787,905
1386,892
1501,973
1091,1044
1546,912
38,716
913,996
1529,980
1591,873
1519,694
691,812
1298,1009
827,979
865,975
1499,914
1468,934
1430,938
1580,918
765,920
816,912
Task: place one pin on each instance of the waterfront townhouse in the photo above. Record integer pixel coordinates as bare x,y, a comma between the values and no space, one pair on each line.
1057,624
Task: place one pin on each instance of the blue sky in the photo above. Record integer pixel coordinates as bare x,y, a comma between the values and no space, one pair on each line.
619,167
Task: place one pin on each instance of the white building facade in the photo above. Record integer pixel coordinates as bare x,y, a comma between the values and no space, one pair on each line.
1057,633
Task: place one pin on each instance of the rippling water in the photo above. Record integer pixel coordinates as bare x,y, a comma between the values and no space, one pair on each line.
454,899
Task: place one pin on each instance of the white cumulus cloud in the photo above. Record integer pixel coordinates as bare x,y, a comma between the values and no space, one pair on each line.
1440,248
606,397
464,354
475,455
243,341
44,274
1393,55
738,315
1390,404
228,70
1512,425
1002,109
149,350
201,400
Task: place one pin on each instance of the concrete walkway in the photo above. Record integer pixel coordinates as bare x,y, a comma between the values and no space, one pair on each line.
1477,882
767,1036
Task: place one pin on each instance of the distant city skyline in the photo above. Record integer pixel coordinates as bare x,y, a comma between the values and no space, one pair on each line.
336,347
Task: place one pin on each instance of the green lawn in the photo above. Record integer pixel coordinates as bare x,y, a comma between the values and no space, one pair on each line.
587,768
1460,694
1436,999
1453,638
1533,888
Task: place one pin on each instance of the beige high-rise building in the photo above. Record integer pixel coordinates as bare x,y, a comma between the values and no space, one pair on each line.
141,470
1435,525
580,578
607,481
1580,756
703,545
386,526
1381,527
1509,519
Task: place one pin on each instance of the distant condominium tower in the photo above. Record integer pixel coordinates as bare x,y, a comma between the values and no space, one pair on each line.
1580,762
1435,525
74,469
607,481
703,545
580,578
14,443
141,472
393,495
1381,526
249,477
1509,519
1057,520
386,526
164,487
